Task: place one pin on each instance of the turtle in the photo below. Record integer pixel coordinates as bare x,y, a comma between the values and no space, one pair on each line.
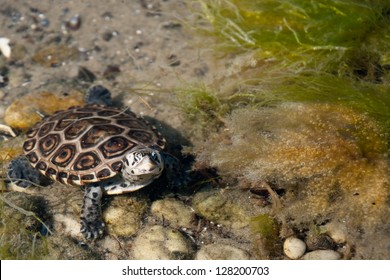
104,149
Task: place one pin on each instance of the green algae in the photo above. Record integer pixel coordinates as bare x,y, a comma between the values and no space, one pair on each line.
270,52
265,230
265,226
202,107
316,35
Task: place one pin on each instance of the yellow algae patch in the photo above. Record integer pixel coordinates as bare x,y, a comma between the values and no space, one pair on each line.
25,112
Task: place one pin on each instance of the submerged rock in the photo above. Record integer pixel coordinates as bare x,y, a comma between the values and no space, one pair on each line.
337,231
322,255
229,207
294,248
175,212
124,214
221,252
160,243
25,111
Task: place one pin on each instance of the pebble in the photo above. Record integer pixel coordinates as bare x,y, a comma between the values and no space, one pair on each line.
123,215
230,208
73,23
24,112
175,212
221,252
294,248
322,255
161,243
337,231
5,49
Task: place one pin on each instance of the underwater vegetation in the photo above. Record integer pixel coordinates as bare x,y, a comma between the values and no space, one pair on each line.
275,51
324,35
300,99
331,161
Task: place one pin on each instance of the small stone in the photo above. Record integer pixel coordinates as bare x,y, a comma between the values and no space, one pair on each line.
24,112
337,231
160,243
73,23
294,248
322,255
5,49
124,214
175,212
221,252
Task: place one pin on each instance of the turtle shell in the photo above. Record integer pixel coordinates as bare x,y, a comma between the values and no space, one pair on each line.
86,144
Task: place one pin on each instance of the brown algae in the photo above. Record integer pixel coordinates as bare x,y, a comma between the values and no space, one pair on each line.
331,161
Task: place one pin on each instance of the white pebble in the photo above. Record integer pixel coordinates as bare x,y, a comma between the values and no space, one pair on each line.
4,47
322,255
294,248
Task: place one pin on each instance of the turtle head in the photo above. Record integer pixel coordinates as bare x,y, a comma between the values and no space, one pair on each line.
142,166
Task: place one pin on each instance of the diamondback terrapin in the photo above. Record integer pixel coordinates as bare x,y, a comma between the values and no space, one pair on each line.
105,149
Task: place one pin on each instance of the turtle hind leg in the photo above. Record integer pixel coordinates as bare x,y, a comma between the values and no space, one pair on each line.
22,174
99,95
92,226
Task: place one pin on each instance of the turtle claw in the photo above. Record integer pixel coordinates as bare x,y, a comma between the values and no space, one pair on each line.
92,230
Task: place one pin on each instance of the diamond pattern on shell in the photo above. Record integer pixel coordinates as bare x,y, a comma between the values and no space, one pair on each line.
86,144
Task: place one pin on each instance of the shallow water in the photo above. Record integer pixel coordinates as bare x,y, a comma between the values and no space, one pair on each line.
283,137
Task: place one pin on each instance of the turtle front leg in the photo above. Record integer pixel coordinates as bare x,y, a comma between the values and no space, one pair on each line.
92,226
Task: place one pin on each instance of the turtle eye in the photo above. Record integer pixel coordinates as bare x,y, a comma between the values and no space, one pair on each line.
154,156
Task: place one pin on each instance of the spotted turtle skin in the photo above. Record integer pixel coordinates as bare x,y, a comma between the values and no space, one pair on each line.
83,145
